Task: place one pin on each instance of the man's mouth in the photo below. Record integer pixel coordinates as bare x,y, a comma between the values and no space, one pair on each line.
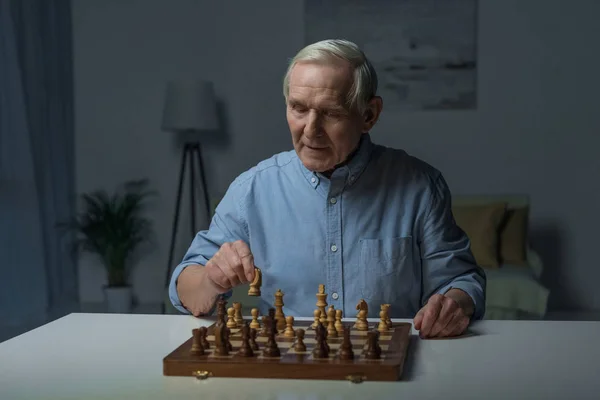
315,148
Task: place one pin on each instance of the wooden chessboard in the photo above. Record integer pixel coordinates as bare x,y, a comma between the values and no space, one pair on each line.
293,365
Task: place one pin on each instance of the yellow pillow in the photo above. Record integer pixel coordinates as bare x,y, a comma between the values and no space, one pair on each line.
481,223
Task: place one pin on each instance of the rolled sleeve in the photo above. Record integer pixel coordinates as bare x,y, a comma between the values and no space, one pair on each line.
227,225
446,255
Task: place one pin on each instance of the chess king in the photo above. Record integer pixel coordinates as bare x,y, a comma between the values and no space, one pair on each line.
368,221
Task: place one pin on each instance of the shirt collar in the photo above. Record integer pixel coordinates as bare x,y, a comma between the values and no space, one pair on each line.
354,167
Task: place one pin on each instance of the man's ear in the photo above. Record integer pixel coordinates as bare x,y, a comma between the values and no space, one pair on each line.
372,113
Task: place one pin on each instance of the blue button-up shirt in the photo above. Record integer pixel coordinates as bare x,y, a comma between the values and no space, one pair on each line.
380,228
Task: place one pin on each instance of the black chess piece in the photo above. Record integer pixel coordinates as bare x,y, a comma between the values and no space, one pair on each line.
321,349
197,348
271,349
203,333
245,349
346,352
373,350
253,343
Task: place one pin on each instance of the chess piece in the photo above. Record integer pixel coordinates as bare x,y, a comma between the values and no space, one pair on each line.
221,348
382,326
373,351
197,348
245,349
317,315
321,350
239,320
221,311
331,331
346,352
339,327
322,303
253,344
271,349
299,347
254,324
289,327
256,283
231,318
279,315
203,332
361,318
387,313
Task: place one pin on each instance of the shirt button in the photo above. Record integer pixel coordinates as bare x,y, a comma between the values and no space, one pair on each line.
313,179
334,296
333,200
333,247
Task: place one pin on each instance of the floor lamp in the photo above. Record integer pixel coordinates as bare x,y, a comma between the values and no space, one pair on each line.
190,108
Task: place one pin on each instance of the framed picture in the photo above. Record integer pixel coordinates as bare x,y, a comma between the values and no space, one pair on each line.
424,51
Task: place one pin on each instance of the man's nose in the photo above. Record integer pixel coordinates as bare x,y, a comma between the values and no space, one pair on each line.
313,127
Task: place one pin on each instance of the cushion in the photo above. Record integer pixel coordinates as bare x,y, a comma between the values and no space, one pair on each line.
513,237
481,224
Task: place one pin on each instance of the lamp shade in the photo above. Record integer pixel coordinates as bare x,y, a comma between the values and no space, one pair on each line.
190,106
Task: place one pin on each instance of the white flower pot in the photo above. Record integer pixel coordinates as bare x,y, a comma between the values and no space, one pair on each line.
118,299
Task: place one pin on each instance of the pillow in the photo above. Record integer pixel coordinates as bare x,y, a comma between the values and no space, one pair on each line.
481,223
513,236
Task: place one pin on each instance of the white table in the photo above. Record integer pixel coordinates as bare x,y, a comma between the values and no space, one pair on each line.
102,356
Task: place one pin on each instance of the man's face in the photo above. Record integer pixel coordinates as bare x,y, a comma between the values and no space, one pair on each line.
324,130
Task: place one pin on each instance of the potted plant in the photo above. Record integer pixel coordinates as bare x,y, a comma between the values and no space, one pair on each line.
113,228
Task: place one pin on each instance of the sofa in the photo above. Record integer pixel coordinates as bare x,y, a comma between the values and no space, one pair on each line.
498,227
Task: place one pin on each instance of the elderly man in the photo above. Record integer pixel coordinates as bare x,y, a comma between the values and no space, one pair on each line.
369,222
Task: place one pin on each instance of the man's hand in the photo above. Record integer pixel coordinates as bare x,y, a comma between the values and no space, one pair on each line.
198,286
231,266
445,315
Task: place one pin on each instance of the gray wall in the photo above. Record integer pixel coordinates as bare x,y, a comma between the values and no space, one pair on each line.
534,131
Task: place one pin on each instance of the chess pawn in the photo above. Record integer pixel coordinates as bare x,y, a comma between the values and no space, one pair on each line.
197,348
231,318
279,315
317,315
254,324
289,328
331,331
299,347
339,327
239,320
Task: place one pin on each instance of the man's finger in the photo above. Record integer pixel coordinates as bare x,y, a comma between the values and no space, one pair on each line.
449,307
418,319
247,259
430,315
450,327
217,277
220,260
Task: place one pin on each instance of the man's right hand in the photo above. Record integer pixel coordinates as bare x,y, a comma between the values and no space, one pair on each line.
198,286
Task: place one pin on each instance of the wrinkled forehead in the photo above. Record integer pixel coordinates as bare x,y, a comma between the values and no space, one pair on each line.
325,80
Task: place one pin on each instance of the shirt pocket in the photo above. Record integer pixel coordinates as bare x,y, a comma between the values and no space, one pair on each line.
387,269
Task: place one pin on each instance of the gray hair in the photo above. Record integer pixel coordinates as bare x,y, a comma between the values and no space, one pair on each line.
364,85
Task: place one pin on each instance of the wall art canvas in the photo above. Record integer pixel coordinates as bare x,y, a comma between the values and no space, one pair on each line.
424,51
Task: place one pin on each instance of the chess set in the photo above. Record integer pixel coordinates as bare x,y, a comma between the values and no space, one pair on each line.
277,346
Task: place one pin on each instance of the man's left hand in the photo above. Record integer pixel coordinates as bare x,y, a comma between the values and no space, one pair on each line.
444,315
